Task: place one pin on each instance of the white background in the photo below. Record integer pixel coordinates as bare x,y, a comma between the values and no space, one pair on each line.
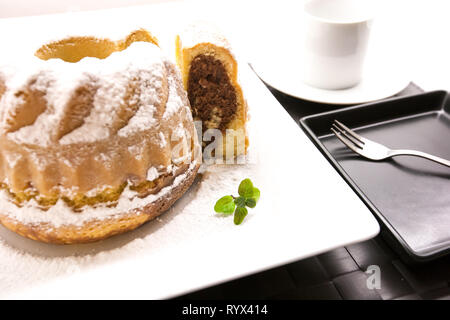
416,30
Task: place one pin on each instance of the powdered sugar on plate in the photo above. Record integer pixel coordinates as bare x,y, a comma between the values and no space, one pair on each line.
26,262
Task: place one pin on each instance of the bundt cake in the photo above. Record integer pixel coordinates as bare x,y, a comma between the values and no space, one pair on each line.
210,76
96,138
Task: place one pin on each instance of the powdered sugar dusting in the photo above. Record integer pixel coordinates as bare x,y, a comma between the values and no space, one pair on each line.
163,141
152,174
136,151
174,102
12,159
204,32
66,119
111,76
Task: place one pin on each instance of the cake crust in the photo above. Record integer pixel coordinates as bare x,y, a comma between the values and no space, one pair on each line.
96,230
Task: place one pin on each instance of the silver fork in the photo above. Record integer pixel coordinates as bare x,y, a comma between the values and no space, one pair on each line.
373,150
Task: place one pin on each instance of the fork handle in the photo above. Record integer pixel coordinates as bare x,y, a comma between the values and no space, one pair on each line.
420,154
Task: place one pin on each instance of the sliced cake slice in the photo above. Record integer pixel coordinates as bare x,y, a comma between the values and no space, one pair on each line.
210,76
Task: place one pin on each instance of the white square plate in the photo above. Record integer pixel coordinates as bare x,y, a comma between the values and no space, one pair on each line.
305,208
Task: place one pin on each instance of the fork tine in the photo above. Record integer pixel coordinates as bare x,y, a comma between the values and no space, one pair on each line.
345,141
358,143
350,131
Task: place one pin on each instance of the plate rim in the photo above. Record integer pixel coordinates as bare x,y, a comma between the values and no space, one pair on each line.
402,84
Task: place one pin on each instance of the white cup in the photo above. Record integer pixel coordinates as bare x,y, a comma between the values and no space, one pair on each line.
335,42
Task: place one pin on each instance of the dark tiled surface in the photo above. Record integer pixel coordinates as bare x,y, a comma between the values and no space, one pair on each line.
440,294
353,286
307,272
393,284
367,253
323,291
341,273
413,296
423,279
338,262
260,285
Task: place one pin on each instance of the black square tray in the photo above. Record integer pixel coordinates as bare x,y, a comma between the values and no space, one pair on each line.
409,196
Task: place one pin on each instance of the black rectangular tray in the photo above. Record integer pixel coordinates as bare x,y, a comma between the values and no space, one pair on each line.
409,196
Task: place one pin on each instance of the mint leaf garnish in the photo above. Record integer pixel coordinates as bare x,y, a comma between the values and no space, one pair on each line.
246,188
225,205
240,201
250,202
239,215
248,197
256,194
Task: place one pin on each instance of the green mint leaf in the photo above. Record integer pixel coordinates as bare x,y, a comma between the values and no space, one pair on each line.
240,202
256,194
246,188
239,215
250,202
225,205
248,197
